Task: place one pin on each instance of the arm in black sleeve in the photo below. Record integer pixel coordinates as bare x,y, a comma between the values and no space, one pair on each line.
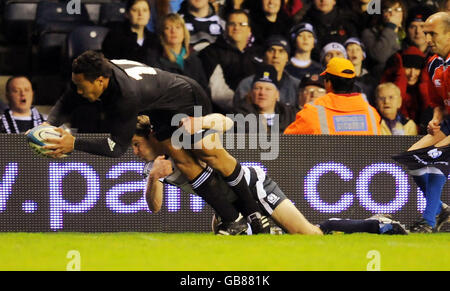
122,130
62,111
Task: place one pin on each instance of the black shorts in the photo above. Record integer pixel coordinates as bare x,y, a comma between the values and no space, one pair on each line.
188,98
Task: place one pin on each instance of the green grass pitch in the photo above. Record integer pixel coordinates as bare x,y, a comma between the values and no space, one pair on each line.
201,252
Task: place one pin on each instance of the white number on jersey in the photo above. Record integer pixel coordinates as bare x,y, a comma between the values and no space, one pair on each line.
137,71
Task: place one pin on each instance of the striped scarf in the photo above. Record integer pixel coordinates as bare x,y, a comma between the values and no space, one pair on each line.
10,125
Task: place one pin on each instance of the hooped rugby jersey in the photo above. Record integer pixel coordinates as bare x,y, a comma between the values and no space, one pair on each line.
261,186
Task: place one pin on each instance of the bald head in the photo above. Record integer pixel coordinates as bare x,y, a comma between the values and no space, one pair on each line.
437,31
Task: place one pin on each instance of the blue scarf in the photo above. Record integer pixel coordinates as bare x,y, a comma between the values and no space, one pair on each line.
179,59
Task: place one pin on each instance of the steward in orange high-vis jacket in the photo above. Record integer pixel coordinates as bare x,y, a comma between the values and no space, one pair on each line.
341,111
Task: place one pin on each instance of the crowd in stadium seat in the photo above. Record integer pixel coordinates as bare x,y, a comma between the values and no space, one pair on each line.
224,45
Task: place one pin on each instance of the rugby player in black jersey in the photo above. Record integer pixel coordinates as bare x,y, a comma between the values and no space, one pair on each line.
123,89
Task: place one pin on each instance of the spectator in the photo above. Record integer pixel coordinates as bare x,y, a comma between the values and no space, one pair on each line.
268,19
332,50
384,39
304,38
388,101
175,55
311,88
132,40
332,24
277,51
204,25
231,5
229,60
406,69
341,111
356,54
21,115
294,9
359,10
414,28
263,98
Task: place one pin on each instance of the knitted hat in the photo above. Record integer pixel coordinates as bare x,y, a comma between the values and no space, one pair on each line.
412,57
277,40
332,46
266,74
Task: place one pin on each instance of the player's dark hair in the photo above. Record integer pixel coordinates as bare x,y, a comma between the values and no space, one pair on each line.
92,65
143,126
341,85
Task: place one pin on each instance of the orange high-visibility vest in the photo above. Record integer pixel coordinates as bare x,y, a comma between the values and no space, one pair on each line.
348,114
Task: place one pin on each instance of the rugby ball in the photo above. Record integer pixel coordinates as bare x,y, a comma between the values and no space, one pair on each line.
37,139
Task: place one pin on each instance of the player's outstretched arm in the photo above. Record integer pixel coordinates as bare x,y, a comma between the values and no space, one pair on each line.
154,191
60,146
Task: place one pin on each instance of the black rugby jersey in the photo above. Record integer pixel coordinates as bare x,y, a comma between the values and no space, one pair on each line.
133,88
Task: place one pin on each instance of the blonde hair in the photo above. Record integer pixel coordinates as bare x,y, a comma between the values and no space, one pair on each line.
388,85
176,19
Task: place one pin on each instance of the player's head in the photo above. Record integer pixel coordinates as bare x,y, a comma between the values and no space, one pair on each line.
144,144
138,12
388,100
90,74
339,76
437,31
19,93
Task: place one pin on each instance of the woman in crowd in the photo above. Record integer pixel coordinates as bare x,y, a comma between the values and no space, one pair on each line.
175,54
132,40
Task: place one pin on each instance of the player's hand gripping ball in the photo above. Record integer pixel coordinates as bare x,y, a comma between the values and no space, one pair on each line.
37,139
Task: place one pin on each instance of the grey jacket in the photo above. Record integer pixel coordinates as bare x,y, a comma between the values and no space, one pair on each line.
381,43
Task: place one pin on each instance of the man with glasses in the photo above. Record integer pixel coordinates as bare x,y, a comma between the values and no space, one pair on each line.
230,59
384,39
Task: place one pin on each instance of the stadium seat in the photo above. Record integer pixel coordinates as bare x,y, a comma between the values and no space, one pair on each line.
93,8
112,13
85,38
18,19
53,24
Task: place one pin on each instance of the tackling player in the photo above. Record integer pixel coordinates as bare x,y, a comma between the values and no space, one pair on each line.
124,88
428,159
270,198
